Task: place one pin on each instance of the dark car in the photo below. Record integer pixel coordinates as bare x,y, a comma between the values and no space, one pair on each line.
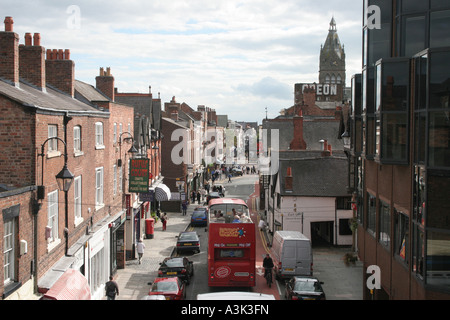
188,241
172,288
213,195
180,267
199,218
304,288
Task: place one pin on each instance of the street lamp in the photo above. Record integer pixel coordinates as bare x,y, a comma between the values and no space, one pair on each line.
346,137
132,150
64,179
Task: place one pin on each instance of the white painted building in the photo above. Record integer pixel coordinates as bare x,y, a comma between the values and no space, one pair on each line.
309,194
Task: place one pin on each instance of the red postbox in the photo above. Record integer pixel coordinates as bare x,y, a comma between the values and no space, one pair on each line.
149,228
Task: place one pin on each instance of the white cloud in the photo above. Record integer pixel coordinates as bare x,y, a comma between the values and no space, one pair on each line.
237,57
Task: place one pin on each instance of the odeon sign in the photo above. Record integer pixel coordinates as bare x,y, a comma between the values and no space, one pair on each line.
322,89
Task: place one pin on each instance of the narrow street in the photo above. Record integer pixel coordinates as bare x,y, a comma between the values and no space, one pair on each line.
341,281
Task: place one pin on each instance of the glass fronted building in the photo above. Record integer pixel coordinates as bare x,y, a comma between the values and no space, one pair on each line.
400,149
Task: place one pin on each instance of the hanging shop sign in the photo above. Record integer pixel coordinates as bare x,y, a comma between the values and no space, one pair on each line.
139,175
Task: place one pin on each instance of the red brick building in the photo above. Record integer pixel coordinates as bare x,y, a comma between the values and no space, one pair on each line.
42,115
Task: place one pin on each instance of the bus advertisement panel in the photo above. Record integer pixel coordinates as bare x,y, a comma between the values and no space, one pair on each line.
231,244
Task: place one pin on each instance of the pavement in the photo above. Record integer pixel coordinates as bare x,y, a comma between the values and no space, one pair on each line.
133,279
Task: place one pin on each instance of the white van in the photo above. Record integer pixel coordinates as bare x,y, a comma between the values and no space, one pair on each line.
292,254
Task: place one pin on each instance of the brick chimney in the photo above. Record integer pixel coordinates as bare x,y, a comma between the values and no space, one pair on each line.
60,70
326,148
298,143
105,83
32,61
173,112
288,180
174,115
9,53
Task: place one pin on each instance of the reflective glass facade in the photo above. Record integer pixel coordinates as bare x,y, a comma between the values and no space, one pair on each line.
401,138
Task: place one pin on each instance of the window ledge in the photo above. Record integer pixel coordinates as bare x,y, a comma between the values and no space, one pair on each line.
10,288
53,154
52,245
78,221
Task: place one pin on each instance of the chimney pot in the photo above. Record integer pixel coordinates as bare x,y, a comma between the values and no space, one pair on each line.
288,182
60,54
9,24
28,39
289,171
67,54
37,39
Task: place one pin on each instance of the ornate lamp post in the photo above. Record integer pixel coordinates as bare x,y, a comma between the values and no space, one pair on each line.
64,179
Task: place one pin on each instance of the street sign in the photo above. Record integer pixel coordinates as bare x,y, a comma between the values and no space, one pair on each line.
139,175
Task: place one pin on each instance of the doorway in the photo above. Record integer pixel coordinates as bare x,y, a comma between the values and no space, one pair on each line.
322,233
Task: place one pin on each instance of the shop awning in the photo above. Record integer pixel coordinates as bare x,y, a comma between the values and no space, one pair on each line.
162,192
72,285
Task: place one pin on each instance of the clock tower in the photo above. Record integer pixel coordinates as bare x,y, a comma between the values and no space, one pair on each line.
332,58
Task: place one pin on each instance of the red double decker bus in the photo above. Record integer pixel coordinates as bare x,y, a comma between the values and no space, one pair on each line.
231,244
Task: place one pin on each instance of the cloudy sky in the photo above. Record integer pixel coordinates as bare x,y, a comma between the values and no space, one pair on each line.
236,56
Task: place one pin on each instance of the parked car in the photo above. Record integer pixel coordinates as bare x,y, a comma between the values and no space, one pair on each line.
188,241
199,218
180,267
172,288
304,288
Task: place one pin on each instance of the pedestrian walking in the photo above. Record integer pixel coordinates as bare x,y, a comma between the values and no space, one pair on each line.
184,207
198,197
164,219
229,177
111,288
140,249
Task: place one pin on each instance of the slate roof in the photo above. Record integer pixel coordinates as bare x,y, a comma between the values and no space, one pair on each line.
85,91
313,132
51,100
144,105
314,175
